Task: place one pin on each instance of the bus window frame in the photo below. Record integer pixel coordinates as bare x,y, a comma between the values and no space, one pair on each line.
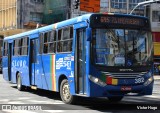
27,46
41,40
5,51
69,39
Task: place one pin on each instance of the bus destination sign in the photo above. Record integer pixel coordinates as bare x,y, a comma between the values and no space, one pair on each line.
119,21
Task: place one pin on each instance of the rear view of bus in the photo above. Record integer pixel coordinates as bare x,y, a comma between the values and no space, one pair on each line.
121,56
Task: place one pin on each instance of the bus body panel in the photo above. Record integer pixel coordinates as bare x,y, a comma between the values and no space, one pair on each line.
63,66
47,72
80,25
38,74
118,87
20,65
88,69
5,68
116,90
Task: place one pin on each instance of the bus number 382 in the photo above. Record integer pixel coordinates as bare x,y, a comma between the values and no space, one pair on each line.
139,80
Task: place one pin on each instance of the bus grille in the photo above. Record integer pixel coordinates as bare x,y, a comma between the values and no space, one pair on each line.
125,75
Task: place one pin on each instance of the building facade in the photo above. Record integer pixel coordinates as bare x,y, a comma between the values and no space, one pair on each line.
153,12
19,15
114,6
56,11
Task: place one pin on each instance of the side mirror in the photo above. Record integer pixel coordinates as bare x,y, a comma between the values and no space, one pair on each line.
88,34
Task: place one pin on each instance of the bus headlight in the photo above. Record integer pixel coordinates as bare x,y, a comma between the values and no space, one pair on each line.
148,81
97,80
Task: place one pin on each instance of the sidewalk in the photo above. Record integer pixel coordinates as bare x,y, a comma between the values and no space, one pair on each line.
156,77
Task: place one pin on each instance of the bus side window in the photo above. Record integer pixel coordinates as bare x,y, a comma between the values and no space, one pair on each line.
52,42
17,47
45,44
65,37
41,43
5,50
59,47
48,42
70,40
24,46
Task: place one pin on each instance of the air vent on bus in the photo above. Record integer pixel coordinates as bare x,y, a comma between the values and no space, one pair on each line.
125,75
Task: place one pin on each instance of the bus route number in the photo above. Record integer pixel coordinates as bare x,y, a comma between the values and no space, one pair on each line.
139,80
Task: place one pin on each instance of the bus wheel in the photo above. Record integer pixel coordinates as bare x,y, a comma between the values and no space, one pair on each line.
65,93
115,98
20,87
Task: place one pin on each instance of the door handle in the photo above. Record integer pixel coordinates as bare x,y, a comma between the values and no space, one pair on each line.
81,60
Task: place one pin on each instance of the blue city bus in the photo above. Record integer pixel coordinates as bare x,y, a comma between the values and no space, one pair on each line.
93,55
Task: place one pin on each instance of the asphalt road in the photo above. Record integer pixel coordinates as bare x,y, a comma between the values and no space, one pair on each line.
50,102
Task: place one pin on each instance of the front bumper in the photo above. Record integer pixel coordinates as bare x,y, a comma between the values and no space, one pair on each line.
112,90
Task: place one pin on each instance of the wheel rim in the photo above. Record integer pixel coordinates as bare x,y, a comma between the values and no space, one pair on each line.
66,92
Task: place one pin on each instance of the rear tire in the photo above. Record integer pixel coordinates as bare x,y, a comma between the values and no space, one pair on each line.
20,87
65,93
115,98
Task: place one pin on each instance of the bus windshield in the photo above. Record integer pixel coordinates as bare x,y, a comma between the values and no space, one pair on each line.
122,47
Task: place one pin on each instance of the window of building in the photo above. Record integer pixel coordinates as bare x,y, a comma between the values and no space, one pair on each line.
36,17
156,16
37,1
119,4
17,47
5,49
133,3
104,3
25,46
65,37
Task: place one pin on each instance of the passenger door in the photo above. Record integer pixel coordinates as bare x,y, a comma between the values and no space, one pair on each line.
9,60
33,60
80,64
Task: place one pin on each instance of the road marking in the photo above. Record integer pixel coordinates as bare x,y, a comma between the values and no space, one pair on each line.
152,96
54,111
4,100
16,102
24,98
46,102
18,111
37,111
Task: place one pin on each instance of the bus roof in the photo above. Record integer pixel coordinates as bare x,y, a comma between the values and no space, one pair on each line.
61,24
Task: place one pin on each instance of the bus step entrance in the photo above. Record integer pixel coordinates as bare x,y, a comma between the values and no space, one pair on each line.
34,87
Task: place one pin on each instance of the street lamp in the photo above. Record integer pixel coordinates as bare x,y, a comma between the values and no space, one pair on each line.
144,3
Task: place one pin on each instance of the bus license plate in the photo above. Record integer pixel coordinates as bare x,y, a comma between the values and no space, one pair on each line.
126,88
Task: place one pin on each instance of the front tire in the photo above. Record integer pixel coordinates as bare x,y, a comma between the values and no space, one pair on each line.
20,87
65,93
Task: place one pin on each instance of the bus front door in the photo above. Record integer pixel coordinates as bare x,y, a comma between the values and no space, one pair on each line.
80,67
33,61
9,61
